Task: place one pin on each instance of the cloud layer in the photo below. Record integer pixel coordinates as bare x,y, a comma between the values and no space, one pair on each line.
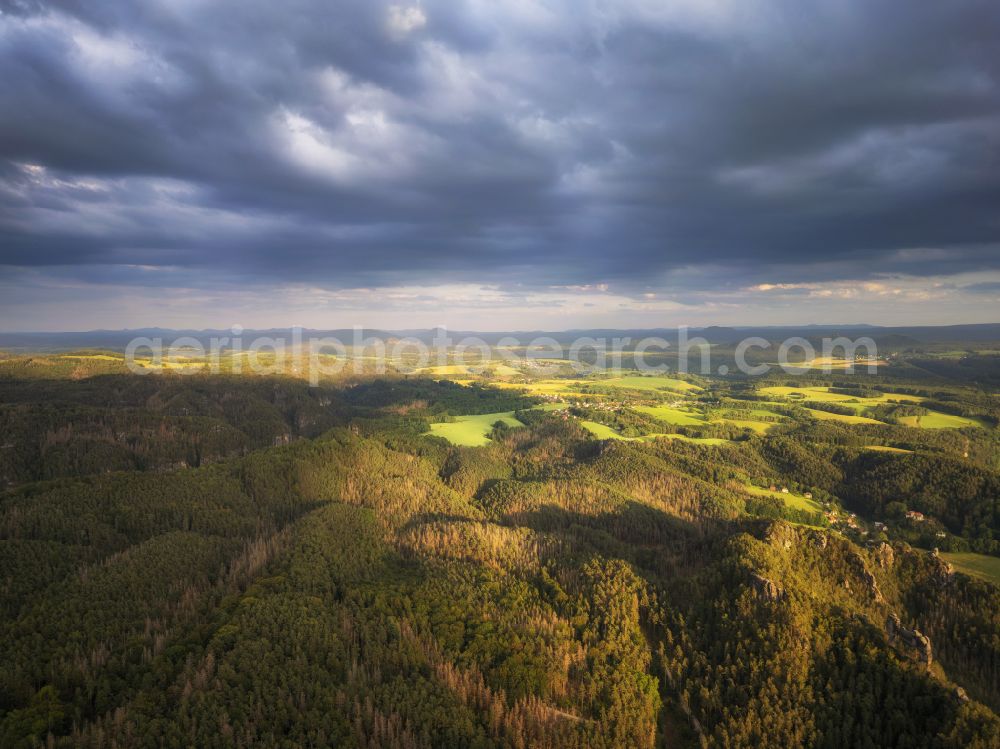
693,151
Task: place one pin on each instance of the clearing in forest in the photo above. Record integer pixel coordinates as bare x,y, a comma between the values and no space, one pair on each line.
472,431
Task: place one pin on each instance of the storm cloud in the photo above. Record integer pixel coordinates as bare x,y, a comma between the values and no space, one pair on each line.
631,147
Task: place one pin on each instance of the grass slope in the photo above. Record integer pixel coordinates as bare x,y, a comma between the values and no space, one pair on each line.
672,415
846,418
938,420
641,382
796,501
978,565
604,432
471,431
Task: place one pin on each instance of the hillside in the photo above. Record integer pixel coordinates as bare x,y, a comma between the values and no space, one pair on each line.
267,564
248,561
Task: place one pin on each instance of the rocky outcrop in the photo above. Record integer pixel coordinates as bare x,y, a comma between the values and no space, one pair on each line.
782,535
786,536
871,584
885,556
911,642
766,589
943,572
868,581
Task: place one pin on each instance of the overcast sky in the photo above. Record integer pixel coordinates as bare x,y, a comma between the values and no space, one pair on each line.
492,164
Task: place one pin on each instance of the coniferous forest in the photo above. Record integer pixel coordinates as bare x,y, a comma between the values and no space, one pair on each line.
223,561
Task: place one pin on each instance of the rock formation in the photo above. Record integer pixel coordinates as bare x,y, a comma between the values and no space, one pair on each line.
912,642
766,589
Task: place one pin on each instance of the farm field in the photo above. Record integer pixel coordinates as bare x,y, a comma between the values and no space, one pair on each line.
551,407
846,418
824,394
171,365
796,501
760,427
640,382
978,565
580,388
604,432
806,393
95,357
445,370
562,388
596,388
932,420
471,431
685,438
834,363
503,370
672,415
938,420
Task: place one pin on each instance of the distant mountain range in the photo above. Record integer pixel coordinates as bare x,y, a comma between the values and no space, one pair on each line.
891,336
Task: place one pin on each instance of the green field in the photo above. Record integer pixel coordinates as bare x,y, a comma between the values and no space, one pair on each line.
760,427
795,501
978,565
445,370
578,387
760,420
471,431
938,420
450,371
640,382
574,387
806,393
685,438
551,407
672,415
932,420
833,363
887,449
823,394
564,388
96,357
846,418
604,432
503,370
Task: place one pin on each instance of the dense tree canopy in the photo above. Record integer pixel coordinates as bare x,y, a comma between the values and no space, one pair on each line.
244,563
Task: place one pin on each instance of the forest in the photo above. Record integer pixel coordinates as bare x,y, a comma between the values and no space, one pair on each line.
247,561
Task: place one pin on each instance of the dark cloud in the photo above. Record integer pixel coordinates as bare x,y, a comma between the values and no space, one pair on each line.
991,288
357,143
